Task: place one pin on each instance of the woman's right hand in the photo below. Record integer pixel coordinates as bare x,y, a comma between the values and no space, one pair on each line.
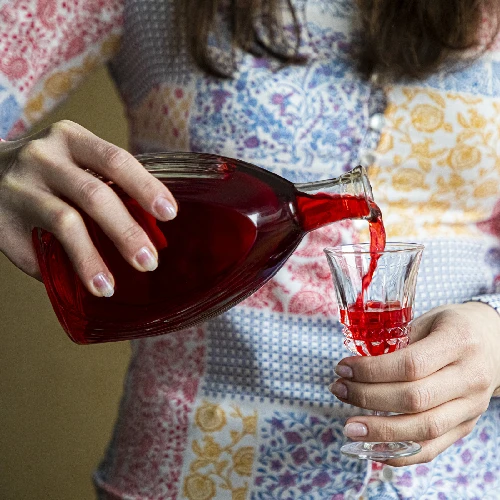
38,173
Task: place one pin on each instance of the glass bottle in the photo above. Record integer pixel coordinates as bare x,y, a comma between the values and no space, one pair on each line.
236,226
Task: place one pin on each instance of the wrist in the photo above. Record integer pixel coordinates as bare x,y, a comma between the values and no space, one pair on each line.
487,313
488,318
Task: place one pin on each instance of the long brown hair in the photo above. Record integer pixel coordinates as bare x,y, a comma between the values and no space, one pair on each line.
400,38
413,38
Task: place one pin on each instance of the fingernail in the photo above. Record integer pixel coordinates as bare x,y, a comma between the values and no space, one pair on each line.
103,285
146,259
165,209
338,389
355,430
343,371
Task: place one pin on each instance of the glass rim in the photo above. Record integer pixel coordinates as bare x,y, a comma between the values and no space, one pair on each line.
364,248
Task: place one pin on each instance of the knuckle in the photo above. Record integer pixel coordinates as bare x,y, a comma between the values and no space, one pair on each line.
385,433
435,428
428,457
63,220
367,371
63,127
482,406
87,263
116,158
152,186
94,193
471,343
462,330
413,365
416,400
10,182
359,396
33,151
133,233
481,379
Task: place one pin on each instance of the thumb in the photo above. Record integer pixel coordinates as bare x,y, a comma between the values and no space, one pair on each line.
422,326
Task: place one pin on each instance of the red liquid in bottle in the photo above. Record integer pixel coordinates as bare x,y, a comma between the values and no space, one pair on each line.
233,231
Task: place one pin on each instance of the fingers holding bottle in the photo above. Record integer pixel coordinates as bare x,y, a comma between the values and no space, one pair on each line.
43,183
115,164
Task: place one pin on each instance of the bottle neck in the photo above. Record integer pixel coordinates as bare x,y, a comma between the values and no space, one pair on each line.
348,196
355,182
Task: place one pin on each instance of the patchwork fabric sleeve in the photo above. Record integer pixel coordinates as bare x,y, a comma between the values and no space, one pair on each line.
492,300
46,48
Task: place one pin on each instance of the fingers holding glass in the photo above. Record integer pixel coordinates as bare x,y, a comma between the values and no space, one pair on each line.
432,448
402,397
417,361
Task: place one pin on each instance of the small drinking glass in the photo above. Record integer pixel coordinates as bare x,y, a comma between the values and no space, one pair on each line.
376,317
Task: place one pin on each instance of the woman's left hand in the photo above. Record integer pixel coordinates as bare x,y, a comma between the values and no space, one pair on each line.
441,383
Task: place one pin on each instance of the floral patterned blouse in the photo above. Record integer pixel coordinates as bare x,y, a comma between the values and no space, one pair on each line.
238,407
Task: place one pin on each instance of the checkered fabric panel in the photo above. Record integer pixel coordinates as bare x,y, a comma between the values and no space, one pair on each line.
257,354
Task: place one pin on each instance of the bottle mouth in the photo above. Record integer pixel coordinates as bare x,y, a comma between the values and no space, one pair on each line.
361,171
350,181
360,175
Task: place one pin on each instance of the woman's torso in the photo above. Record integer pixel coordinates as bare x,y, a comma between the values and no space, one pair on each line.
238,407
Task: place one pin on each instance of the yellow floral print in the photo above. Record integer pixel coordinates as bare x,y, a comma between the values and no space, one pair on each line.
243,461
463,157
210,417
240,493
427,118
437,167
223,455
58,85
199,487
407,179
34,107
250,425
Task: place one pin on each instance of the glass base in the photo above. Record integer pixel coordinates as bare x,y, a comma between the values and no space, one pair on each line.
380,451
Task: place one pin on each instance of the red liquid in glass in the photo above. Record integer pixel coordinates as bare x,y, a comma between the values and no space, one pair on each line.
376,327
231,234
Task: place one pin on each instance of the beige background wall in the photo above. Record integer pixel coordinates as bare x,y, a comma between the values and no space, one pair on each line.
57,400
